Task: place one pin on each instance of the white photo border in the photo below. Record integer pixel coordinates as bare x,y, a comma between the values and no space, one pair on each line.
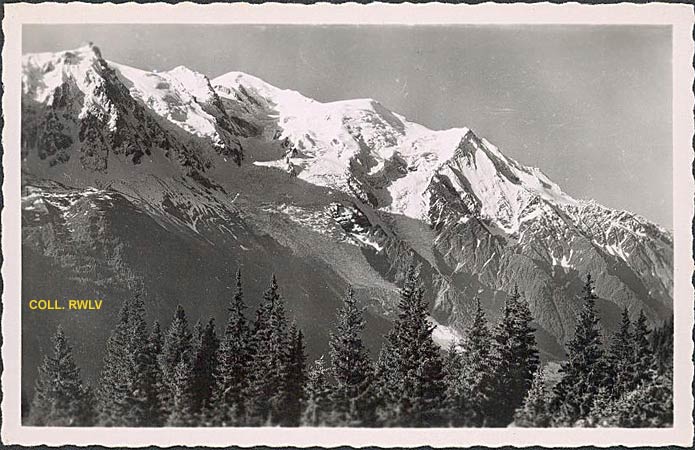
678,16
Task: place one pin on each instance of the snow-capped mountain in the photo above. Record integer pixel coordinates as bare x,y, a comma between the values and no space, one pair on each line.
170,180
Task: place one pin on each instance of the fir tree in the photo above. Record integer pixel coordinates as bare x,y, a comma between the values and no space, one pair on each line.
294,379
453,367
318,409
386,383
351,366
112,388
269,364
122,394
232,377
621,360
60,398
177,347
644,364
536,409
182,396
470,393
413,386
204,368
584,372
154,382
515,358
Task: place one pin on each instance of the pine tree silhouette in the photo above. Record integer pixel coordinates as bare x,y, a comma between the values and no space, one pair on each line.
411,371
644,363
470,394
177,347
515,358
294,379
60,398
204,368
621,358
269,364
154,382
233,370
584,372
351,366
123,390
182,396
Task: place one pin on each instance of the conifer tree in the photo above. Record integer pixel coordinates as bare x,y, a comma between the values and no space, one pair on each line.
584,371
318,409
621,358
182,396
535,412
386,383
177,347
204,368
644,365
122,393
269,364
60,398
154,382
294,379
235,354
351,366
414,385
515,358
470,394
112,388
453,366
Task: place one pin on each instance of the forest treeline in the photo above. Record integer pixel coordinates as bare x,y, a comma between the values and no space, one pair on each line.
255,372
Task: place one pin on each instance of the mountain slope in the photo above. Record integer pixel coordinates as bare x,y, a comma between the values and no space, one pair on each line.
234,171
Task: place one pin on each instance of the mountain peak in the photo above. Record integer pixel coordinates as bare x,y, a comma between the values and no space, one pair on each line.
42,73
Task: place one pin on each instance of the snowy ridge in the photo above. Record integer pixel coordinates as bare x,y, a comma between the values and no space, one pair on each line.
173,95
399,156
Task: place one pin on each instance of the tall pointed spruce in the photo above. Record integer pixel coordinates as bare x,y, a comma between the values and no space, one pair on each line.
621,358
269,364
470,394
181,401
294,379
204,368
177,347
584,372
351,365
515,358
60,398
154,382
414,386
235,356
122,392
644,363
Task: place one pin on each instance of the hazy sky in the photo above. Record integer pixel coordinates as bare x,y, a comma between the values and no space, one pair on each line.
589,105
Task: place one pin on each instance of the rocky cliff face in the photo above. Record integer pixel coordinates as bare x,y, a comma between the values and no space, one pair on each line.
169,181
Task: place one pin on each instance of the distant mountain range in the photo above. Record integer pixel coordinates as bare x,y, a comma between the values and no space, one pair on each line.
169,181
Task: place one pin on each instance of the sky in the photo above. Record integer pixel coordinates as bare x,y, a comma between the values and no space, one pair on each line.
589,105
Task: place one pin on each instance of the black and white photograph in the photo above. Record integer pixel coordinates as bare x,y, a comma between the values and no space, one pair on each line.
368,226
